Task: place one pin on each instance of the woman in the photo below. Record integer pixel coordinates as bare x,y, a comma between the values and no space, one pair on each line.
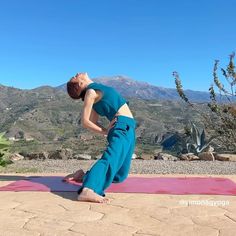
114,165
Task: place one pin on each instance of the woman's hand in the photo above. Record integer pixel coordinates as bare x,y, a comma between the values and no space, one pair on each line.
105,131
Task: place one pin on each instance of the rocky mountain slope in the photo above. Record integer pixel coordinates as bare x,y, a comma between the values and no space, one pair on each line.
46,118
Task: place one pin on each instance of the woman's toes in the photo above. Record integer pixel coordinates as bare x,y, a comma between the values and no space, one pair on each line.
90,196
68,177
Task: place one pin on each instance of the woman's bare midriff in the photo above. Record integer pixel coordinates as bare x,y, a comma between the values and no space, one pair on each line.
123,110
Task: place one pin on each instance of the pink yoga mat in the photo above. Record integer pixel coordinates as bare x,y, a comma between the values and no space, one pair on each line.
155,185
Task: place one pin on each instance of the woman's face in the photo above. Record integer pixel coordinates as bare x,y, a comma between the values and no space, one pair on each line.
81,76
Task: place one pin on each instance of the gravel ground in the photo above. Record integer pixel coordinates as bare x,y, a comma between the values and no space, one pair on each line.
137,167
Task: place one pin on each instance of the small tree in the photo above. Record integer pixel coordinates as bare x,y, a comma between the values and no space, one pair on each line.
220,121
4,148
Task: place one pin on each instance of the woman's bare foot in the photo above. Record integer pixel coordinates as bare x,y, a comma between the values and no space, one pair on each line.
88,195
77,176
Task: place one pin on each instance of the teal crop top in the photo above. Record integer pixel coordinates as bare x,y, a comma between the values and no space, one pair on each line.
110,102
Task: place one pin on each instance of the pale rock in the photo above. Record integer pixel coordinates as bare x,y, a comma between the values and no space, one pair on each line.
165,157
98,157
189,157
226,157
207,156
83,157
16,157
134,156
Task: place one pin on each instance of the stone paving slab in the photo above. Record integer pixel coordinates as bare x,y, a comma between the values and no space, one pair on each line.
60,214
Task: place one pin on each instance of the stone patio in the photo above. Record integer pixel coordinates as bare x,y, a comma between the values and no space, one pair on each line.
60,214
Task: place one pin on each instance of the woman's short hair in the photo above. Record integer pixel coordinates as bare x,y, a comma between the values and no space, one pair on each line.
72,89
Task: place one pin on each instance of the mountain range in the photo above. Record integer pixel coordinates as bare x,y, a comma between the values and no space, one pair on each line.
46,118
143,90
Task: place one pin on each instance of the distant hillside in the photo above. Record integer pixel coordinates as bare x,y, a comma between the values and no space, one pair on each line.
136,89
49,118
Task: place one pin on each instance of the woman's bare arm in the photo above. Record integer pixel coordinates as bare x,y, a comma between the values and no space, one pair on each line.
88,114
94,117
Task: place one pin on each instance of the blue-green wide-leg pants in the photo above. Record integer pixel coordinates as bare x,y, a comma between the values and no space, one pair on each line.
114,165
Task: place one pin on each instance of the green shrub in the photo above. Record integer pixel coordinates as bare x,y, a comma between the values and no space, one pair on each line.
220,121
4,150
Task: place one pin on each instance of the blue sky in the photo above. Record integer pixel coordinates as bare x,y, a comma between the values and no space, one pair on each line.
45,42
